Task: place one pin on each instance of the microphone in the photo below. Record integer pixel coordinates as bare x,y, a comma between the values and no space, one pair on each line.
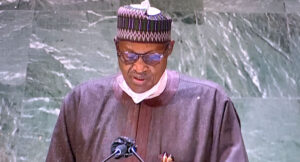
123,147
120,151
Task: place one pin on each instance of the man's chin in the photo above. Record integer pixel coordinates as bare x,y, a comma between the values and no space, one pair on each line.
139,88
139,85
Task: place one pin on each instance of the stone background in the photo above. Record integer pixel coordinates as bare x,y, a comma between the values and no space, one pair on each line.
250,47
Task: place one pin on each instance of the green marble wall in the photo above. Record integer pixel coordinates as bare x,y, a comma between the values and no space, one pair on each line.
250,47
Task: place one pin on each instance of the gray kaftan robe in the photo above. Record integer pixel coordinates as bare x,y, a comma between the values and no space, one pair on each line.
193,120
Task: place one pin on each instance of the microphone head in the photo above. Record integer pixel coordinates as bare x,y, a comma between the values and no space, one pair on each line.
124,144
121,150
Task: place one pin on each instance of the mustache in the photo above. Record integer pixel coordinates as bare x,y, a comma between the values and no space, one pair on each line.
139,75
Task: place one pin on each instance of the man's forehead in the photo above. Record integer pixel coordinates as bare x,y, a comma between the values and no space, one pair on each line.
141,46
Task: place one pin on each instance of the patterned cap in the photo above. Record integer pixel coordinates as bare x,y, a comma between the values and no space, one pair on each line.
139,24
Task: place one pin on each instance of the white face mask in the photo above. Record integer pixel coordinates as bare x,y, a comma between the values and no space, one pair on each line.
155,91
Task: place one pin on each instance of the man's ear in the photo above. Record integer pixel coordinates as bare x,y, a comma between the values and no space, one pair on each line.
170,47
116,42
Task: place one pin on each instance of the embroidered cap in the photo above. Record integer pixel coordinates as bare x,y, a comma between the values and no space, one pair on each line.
142,23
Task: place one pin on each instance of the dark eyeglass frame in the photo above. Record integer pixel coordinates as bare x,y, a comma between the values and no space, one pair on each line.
148,58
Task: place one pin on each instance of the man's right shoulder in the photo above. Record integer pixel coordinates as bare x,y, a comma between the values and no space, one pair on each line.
93,86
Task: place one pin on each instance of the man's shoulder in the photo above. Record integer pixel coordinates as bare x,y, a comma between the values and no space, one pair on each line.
202,84
96,84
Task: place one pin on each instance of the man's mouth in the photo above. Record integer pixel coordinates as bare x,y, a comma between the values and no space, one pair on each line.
138,80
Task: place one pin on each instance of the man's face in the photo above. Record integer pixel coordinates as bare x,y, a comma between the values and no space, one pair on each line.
140,76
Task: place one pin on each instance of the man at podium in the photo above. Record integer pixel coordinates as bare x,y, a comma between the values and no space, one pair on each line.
170,116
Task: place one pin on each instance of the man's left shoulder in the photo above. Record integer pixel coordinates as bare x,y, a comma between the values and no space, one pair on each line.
201,84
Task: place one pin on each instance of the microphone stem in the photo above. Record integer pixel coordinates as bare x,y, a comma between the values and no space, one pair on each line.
136,155
110,156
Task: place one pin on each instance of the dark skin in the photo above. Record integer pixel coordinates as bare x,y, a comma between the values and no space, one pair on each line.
139,76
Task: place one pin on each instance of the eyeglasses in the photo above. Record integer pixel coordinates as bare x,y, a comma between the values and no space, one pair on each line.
149,58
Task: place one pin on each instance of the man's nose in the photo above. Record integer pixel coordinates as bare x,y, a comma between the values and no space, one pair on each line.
140,66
